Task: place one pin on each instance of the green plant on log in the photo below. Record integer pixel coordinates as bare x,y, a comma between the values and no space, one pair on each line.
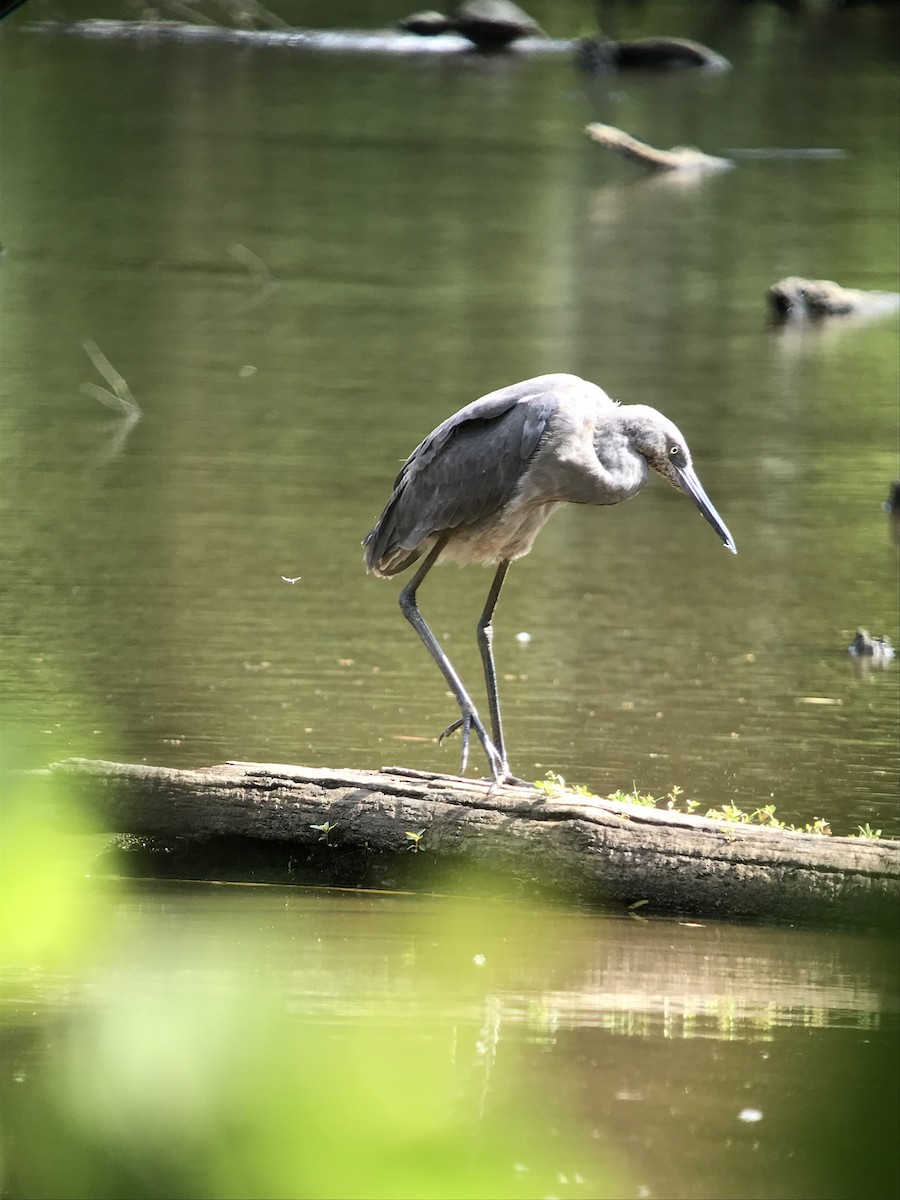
325,830
416,839
866,831
555,786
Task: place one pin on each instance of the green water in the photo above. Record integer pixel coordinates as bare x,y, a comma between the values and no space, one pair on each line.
300,264
698,1060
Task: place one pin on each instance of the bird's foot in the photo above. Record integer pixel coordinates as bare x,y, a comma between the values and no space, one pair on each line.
515,781
467,722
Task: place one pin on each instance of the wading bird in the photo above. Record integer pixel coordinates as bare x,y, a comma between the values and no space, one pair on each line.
481,486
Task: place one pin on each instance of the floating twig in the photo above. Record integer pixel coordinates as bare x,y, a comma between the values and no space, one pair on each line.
120,398
679,158
117,396
262,277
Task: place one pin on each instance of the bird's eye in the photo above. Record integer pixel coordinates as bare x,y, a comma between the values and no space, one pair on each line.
673,452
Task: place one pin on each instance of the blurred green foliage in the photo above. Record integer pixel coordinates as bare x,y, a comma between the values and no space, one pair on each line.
158,1080
45,849
187,1095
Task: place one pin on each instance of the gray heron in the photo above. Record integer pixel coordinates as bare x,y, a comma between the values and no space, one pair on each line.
481,486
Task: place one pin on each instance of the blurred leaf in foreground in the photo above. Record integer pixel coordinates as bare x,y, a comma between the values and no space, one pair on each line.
186,1093
46,847
187,1075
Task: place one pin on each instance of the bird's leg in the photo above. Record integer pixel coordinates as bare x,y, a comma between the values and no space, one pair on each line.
485,645
470,718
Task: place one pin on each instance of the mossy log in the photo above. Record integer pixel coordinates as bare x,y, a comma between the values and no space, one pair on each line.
596,851
679,158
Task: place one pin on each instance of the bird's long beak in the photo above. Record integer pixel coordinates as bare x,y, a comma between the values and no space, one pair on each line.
694,488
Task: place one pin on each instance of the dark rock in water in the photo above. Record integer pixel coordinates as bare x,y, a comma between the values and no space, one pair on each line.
809,297
598,54
795,297
493,24
427,23
667,52
864,645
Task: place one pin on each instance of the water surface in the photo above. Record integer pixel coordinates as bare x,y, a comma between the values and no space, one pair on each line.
427,231
700,1059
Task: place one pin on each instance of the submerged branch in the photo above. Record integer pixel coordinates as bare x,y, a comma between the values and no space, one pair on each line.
679,158
120,397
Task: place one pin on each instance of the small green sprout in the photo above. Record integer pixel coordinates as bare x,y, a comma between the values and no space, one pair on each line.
866,831
644,799
766,816
416,839
675,801
734,815
555,785
817,825
729,812
324,830
632,910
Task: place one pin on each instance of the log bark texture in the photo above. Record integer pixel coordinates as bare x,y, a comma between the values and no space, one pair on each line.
598,851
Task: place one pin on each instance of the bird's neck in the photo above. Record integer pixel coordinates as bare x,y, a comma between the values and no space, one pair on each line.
624,468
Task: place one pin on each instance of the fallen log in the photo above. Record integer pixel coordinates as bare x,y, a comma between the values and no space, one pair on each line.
328,41
795,298
679,158
358,828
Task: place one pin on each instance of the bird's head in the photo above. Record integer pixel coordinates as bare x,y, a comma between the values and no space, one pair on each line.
663,446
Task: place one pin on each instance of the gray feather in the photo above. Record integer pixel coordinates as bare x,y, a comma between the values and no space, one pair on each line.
488,444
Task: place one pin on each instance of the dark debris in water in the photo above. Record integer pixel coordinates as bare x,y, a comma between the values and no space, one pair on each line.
865,645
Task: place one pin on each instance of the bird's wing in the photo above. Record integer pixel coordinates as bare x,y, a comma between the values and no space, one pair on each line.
465,470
